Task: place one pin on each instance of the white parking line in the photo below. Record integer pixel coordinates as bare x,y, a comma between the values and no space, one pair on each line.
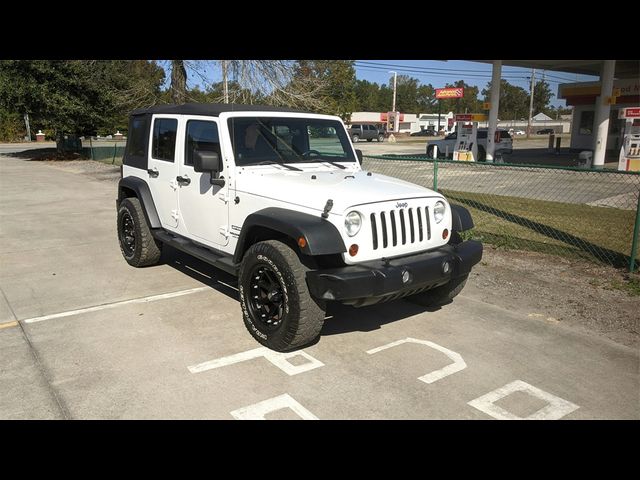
276,358
105,306
457,365
258,411
557,407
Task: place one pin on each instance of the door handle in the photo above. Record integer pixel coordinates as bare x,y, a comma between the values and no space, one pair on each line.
183,180
153,172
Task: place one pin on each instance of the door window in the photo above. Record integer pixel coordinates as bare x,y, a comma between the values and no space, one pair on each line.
203,136
164,139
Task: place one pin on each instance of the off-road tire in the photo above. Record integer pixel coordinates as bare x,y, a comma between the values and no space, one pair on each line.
440,295
355,138
380,138
146,250
303,315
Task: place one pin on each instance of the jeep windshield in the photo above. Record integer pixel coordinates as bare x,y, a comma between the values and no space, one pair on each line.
265,140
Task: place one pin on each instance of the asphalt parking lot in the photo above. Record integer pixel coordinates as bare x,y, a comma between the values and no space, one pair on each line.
85,336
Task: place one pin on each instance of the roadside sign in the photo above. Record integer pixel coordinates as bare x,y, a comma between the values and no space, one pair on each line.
629,112
471,117
449,93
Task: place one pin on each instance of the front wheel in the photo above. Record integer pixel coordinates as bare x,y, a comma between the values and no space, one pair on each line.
355,138
440,295
276,305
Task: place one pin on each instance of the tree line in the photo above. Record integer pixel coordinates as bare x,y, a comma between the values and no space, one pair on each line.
94,97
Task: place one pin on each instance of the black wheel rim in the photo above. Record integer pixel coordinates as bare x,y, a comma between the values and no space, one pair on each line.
266,298
128,236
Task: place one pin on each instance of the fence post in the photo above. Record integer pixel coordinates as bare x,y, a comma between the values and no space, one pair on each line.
115,146
634,242
91,147
435,174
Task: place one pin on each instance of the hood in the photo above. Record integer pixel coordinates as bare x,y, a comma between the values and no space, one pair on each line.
346,188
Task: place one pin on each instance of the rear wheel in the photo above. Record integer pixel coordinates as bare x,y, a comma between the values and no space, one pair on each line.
381,138
276,305
430,151
137,245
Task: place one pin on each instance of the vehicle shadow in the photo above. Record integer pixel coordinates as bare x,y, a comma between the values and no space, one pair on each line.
339,318
209,275
344,318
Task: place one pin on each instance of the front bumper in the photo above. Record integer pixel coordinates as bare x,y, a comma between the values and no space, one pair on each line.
371,282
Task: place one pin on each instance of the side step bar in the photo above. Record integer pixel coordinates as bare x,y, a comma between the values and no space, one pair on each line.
219,260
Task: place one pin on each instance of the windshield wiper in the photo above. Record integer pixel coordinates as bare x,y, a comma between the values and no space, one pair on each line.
272,162
335,164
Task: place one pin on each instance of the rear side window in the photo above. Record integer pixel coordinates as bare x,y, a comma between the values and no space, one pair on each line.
504,135
164,139
137,141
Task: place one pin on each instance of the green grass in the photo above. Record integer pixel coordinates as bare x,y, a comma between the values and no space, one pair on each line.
565,229
630,285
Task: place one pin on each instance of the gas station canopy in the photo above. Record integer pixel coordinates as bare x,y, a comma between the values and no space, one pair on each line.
624,68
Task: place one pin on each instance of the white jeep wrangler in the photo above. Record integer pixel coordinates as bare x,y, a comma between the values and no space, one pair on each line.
279,199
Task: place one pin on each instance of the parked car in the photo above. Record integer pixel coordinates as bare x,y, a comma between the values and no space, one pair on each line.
427,132
545,131
505,146
516,132
366,131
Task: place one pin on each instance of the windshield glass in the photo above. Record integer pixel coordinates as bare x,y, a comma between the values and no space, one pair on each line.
288,140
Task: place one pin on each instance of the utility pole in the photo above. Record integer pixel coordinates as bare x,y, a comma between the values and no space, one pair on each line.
393,108
395,77
26,123
225,85
533,82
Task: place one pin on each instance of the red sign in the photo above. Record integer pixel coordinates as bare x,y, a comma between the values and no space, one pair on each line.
449,92
632,112
463,117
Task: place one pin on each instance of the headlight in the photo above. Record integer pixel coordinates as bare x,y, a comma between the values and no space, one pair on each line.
352,223
438,211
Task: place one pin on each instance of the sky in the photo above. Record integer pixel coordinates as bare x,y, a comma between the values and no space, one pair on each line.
439,72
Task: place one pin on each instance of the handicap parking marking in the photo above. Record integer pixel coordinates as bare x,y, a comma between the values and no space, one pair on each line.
258,411
278,359
556,408
431,377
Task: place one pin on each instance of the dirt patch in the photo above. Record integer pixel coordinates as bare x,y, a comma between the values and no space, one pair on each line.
92,169
579,294
588,296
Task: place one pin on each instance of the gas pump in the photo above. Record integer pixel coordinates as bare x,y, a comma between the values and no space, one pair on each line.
629,159
466,147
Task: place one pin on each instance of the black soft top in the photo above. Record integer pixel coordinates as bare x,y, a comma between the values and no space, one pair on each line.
210,109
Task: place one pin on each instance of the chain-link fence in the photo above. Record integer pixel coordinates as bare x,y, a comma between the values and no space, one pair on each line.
567,211
105,153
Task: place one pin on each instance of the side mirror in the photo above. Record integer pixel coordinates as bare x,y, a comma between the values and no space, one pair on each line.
204,161
359,155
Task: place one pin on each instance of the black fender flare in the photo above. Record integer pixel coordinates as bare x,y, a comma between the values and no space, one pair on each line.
142,191
460,219
322,237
